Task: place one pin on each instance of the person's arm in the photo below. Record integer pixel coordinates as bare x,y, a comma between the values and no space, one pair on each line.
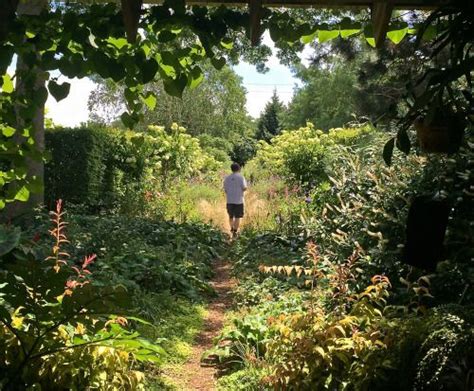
223,187
244,184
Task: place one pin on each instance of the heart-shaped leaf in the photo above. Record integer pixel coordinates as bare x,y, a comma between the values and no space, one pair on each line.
403,141
148,70
218,63
397,35
175,87
59,91
327,35
196,77
150,101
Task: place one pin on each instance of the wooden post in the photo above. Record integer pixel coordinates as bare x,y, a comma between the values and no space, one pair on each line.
381,13
255,8
131,11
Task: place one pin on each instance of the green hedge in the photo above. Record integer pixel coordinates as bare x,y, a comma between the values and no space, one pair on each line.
82,168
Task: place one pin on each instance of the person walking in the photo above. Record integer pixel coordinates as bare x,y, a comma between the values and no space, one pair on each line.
234,186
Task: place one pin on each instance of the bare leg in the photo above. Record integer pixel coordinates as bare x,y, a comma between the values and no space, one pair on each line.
236,224
231,223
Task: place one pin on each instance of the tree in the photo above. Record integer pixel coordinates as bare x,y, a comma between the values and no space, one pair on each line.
215,108
269,124
326,99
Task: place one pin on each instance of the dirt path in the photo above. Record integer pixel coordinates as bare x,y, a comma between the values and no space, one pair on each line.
193,376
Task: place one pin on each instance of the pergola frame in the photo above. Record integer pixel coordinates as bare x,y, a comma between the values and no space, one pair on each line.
381,10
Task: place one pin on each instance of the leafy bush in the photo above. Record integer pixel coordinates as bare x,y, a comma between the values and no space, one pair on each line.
106,167
431,352
76,170
303,156
57,325
315,349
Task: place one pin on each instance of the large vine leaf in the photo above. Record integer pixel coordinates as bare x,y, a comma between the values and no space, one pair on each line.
175,87
9,239
326,35
59,91
397,33
388,151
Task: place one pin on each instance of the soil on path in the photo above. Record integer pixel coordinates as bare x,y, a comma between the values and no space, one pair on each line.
193,375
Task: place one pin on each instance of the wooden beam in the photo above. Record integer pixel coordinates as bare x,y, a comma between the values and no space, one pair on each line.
397,4
255,8
381,13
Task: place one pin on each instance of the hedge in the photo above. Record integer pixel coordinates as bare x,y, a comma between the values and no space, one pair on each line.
82,168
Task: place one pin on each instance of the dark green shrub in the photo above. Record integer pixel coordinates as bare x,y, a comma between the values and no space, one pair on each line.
77,171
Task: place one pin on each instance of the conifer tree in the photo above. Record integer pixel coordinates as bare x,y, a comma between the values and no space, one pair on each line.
269,124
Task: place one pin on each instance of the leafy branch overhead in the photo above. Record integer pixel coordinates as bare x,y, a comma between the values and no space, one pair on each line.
171,41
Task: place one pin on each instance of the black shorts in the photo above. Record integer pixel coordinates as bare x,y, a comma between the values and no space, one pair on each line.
235,210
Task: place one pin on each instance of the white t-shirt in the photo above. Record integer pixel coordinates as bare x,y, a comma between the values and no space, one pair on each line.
234,186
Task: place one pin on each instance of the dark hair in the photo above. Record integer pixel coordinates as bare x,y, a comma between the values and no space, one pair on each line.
235,167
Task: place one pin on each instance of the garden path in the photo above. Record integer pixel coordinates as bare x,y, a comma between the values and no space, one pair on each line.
193,375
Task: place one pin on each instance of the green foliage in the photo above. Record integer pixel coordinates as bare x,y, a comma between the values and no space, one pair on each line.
57,325
320,350
268,124
247,379
243,150
215,108
432,352
303,156
327,98
77,169
105,167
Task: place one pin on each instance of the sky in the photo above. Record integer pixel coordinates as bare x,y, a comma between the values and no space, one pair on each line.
73,110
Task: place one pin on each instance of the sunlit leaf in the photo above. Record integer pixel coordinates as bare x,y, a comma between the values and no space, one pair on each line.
327,35
396,36
309,38
150,101
23,194
8,131
7,85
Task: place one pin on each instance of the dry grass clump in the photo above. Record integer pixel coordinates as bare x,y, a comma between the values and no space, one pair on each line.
257,212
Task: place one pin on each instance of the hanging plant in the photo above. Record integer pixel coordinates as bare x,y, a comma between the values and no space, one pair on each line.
425,231
441,132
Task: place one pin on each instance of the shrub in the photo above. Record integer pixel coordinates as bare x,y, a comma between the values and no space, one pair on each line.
76,170
57,326
106,167
303,155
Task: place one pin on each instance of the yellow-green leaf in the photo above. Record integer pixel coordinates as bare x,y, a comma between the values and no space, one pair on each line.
326,35
7,85
397,35
8,131
348,32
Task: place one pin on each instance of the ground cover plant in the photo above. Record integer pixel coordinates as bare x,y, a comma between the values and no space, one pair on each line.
61,329
346,331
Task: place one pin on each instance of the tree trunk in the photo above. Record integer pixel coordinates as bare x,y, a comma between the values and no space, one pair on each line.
34,167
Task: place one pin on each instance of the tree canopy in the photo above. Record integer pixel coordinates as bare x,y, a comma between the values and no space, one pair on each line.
216,107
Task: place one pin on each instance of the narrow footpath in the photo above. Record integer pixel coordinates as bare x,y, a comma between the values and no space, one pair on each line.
192,374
